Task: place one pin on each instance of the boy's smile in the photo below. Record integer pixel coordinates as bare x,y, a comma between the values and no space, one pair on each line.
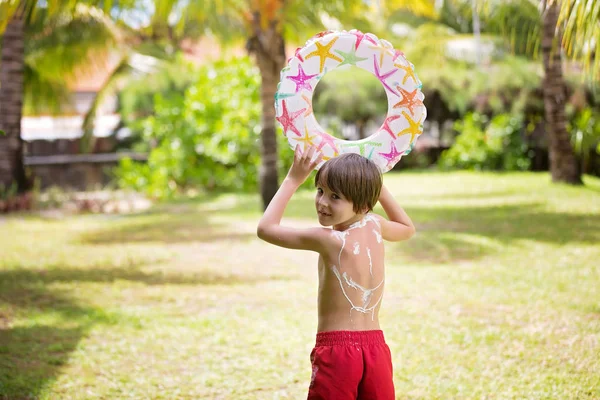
333,209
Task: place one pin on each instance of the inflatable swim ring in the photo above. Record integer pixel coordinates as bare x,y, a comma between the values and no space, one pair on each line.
329,50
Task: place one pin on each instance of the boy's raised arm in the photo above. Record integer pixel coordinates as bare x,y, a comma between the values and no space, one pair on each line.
269,228
399,227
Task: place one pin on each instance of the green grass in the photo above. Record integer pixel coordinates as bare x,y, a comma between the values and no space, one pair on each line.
496,297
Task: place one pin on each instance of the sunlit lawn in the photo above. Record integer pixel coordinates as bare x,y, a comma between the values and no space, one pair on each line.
498,296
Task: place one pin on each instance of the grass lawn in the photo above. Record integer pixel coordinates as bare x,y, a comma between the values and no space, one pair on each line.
496,297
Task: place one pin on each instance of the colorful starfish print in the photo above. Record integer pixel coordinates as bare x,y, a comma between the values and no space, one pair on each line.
307,139
298,55
301,80
287,120
359,37
383,77
392,156
410,73
323,51
383,49
327,139
410,148
371,153
386,125
309,110
414,127
321,34
397,54
361,146
349,57
281,96
409,100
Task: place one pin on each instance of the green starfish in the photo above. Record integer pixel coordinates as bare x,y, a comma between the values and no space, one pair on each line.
362,145
349,57
280,96
371,153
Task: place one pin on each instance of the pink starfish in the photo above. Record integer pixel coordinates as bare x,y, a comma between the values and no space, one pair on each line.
298,55
327,140
392,156
386,125
359,37
301,80
397,54
383,77
287,121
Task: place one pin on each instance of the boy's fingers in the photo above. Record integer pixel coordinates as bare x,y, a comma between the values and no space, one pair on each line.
317,160
310,153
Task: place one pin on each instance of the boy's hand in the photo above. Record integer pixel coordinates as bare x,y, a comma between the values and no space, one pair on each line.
303,164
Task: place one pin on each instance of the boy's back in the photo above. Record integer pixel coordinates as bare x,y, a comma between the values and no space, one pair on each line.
351,277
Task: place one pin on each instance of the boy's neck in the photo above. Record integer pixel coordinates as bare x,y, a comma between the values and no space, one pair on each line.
346,224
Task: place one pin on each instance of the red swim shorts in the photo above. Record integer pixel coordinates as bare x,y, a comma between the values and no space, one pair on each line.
351,365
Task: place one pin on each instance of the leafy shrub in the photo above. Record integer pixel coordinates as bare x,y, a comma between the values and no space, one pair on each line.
207,138
137,99
584,127
488,146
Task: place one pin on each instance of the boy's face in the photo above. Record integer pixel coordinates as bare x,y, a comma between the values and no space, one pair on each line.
333,209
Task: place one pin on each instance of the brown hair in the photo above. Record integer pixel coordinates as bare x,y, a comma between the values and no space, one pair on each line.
355,177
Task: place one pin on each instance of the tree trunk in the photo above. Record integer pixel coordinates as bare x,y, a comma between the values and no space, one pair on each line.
563,163
11,104
269,49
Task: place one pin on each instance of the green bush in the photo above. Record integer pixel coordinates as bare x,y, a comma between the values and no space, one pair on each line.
584,127
497,145
207,138
137,99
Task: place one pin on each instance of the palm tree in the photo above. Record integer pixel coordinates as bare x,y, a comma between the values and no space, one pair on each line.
581,38
563,163
34,39
11,101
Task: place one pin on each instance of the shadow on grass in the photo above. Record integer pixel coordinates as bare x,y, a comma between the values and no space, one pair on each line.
32,353
165,227
453,233
31,358
449,234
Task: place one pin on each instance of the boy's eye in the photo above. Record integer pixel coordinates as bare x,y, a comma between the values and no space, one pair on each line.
335,196
319,190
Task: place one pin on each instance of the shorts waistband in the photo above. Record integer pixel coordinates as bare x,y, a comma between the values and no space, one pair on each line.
333,338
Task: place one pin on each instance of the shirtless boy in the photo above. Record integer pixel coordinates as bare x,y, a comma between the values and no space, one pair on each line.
351,359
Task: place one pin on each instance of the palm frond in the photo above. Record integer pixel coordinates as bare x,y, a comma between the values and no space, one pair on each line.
42,95
581,39
80,42
132,64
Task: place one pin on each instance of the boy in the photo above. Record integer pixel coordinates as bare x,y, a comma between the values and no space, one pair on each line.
351,359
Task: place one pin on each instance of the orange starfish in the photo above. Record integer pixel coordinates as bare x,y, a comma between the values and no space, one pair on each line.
309,110
409,100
